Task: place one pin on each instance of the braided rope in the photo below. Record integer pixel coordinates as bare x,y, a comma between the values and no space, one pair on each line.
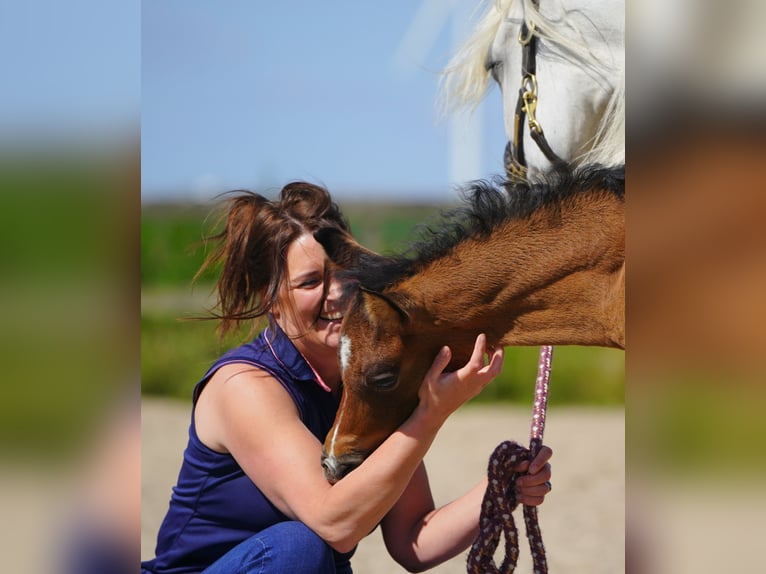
500,497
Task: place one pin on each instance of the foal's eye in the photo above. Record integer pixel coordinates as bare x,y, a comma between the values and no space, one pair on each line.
382,381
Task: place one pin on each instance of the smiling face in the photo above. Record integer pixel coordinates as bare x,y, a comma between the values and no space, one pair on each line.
309,310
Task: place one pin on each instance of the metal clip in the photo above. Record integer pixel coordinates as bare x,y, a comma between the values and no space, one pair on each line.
529,84
516,172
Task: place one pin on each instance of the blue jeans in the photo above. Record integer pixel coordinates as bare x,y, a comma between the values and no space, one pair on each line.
284,548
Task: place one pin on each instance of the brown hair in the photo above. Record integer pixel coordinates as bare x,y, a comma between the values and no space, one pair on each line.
252,247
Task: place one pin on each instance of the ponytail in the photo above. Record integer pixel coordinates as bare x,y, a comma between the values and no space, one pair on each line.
252,246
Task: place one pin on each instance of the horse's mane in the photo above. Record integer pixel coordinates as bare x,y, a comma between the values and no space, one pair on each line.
487,205
465,80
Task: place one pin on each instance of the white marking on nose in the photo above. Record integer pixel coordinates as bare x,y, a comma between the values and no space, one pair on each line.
331,465
331,453
345,353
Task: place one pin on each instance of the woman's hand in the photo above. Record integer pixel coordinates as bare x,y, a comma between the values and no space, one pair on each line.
532,487
442,393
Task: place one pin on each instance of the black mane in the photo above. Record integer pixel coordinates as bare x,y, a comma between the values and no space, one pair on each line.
488,204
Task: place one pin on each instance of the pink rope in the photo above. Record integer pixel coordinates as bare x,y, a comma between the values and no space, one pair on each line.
540,406
500,497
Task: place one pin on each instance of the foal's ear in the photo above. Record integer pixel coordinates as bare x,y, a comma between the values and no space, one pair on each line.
344,251
392,299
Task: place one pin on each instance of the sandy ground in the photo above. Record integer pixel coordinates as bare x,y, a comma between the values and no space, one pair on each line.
582,520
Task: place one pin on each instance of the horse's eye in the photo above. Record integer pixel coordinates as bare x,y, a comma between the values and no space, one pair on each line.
494,68
382,381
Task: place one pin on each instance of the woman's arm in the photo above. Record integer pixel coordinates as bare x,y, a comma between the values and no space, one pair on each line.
418,536
247,413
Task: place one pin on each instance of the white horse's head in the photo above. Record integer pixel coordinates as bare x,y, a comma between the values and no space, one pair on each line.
580,75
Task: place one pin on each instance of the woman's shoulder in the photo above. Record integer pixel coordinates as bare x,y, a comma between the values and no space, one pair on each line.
239,394
255,355
243,380
235,374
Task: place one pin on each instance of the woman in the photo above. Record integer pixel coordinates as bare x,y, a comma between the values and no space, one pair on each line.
251,494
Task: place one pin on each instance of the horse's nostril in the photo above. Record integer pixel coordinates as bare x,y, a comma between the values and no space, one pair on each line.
335,469
330,469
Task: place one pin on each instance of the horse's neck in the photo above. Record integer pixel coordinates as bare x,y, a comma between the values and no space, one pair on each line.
551,279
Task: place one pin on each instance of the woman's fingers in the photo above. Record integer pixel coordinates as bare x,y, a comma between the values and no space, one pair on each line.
495,362
530,499
531,492
532,487
476,362
477,365
540,460
448,390
536,465
532,480
442,359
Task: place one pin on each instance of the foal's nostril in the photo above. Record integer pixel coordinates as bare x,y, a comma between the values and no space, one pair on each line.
335,469
330,469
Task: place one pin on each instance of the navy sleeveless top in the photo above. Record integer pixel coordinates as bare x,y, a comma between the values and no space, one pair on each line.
214,505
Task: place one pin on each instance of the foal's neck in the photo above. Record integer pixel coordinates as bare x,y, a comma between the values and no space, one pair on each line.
556,277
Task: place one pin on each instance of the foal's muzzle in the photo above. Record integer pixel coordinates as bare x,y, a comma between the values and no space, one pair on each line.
337,468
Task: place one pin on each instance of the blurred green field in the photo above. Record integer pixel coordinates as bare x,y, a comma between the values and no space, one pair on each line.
172,248
69,336
175,351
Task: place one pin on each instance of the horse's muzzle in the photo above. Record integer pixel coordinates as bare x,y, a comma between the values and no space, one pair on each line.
337,468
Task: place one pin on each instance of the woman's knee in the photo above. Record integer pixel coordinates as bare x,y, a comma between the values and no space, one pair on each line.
294,547
296,540
284,547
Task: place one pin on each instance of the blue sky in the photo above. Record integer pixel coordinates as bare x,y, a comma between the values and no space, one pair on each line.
70,70
253,94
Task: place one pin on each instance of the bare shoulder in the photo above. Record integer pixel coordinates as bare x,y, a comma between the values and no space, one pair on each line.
237,397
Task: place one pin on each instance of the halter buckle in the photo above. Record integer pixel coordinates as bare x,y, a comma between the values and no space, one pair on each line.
524,40
529,85
516,172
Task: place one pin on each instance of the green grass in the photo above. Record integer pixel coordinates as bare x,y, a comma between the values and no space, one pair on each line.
68,238
176,353
171,244
697,424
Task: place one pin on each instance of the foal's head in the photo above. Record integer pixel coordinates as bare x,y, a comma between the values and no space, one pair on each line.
383,355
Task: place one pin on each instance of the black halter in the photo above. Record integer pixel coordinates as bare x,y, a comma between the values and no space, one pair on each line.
526,106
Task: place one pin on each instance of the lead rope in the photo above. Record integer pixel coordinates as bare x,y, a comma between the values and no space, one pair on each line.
500,497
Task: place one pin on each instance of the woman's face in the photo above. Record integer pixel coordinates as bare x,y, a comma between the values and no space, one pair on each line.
305,286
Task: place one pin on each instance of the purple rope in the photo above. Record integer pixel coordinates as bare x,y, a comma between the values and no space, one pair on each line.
500,497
